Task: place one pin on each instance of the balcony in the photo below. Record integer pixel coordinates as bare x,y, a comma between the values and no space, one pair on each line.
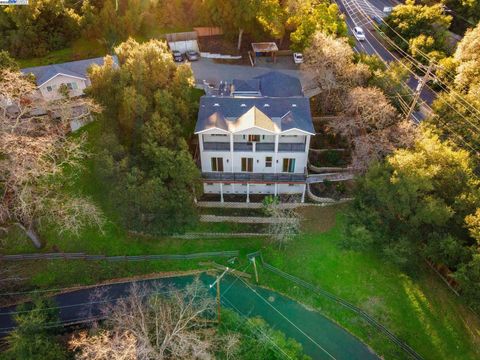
291,147
242,146
264,147
259,177
216,146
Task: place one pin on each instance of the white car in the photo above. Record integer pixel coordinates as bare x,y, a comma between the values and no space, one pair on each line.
297,58
387,10
358,33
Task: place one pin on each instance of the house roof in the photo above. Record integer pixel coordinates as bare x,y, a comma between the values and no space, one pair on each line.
76,69
264,47
251,85
279,84
237,114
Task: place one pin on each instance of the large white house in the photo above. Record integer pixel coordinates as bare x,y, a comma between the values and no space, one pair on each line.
254,137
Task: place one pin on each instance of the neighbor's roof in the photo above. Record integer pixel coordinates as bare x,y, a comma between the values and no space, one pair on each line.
232,114
279,84
76,69
264,47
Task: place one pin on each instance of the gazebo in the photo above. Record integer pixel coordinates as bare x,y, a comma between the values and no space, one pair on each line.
263,48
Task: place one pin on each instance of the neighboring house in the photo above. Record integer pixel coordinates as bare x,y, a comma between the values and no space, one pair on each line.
254,136
73,74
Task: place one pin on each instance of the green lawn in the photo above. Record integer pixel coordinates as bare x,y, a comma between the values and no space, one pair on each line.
79,50
421,311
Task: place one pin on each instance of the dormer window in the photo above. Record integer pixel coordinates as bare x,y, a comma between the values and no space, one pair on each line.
216,104
266,105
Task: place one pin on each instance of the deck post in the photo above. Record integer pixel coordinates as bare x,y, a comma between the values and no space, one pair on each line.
303,193
248,192
221,192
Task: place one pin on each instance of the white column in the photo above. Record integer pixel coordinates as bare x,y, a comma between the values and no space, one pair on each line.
248,192
307,144
275,157
231,150
221,192
303,194
276,189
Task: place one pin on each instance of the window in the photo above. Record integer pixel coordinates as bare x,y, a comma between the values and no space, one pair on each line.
288,165
217,164
218,134
253,138
268,161
49,89
247,164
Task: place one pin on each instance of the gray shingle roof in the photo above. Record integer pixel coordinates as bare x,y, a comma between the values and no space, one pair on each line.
246,85
73,68
288,113
278,84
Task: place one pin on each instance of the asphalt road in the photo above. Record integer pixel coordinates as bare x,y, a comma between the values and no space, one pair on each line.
320,338
358,13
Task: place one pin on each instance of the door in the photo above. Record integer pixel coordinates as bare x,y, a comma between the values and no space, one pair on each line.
247,164
289,165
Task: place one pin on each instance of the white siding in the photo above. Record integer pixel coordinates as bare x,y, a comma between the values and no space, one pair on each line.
55,84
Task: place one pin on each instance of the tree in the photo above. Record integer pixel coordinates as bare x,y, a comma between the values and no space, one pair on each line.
7,62
153,323
391,80
415,204
150,110
331,63
372,131
285,222
34,335
246,16
424,27
457,111
46,25
38,159
307,17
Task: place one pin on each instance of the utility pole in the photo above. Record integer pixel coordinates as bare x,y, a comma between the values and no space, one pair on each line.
255,268
419,89
217,282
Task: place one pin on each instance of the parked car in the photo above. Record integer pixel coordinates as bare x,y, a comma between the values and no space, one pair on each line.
192,55
298,58
177,56
387,10
358,33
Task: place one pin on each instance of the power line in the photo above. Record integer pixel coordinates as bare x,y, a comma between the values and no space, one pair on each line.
411,59
286,318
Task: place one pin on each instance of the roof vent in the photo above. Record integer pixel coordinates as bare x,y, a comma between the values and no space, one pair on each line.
243,105
216,104
266,105
294,105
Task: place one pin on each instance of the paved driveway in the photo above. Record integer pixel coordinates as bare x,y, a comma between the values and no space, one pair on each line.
206,69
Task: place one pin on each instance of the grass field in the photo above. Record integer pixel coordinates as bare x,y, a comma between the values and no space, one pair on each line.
421,311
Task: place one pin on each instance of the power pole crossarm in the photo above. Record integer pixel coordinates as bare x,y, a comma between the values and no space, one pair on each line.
419,89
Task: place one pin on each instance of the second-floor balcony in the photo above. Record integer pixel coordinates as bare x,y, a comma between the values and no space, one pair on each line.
249,146
250,176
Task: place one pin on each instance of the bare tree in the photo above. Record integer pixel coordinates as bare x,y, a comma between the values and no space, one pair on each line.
285,221
156,323
331,62
35,151
372,126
